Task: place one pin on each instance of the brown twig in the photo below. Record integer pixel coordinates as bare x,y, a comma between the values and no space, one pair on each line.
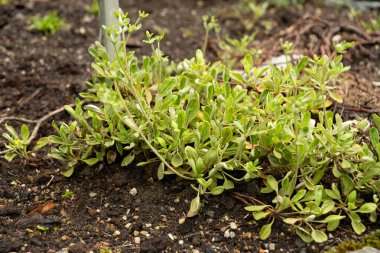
41,120
37,122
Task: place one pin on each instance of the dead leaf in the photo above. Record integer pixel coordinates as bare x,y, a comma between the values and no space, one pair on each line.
43,208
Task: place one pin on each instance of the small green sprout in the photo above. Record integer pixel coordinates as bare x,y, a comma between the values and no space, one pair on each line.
68,194
42,228
48,24
93,8
4,2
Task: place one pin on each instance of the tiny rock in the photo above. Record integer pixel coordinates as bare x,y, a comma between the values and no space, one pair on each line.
272,246
172,237
116,233
124,217
227,233
232,234
148,225
182,220
137,240
64,238
180,242
128,225
92,194
233,226
136,233
133,192
144,233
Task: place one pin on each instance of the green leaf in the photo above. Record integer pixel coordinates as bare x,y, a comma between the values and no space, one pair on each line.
191,153
228,184
248,63
160,171
332,225
91,161
42,142
299,195
336,97
128,159
255,208
260,215
192,109
367,208
376,119
9,156
69,172
319,236
358,227
167,86
304,235
24,132
194,207
331,218
374,136
177,160
265,231
272,183
217,190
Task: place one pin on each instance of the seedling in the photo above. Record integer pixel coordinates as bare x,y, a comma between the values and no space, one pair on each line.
93,8
68,194
18,145
48,24
4,2
42,229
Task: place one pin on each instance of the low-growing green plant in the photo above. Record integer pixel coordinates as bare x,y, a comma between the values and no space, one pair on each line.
48,24
216,126
370,240
17,146
4,2
93,8
373,25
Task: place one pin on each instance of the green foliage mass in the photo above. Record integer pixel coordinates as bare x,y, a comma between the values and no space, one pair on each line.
371,240
48,24
216,126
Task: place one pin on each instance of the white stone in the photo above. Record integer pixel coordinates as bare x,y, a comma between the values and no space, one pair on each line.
133,192
233,226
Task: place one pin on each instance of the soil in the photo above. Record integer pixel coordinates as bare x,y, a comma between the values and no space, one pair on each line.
128,210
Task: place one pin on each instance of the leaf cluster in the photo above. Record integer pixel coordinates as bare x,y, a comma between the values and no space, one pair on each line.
48,24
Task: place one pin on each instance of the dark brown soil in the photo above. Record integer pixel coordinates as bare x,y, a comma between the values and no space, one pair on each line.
39,74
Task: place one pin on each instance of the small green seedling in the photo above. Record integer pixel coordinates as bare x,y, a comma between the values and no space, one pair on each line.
93,8
373,25
4,2
68,194
42,228
17,146
48,24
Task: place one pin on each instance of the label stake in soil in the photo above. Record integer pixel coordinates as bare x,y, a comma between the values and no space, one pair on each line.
107,18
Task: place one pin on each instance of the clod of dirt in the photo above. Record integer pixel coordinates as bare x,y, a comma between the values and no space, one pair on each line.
154,245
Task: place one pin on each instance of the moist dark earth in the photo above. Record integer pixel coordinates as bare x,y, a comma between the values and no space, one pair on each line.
128,210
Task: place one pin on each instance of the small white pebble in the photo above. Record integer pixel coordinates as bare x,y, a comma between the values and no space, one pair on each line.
148,225
137,240
180,242
182,220
106,205
124,217
116,233
227,233
128,225
172,237
233,225
232,234
171,209
93,194
133,192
